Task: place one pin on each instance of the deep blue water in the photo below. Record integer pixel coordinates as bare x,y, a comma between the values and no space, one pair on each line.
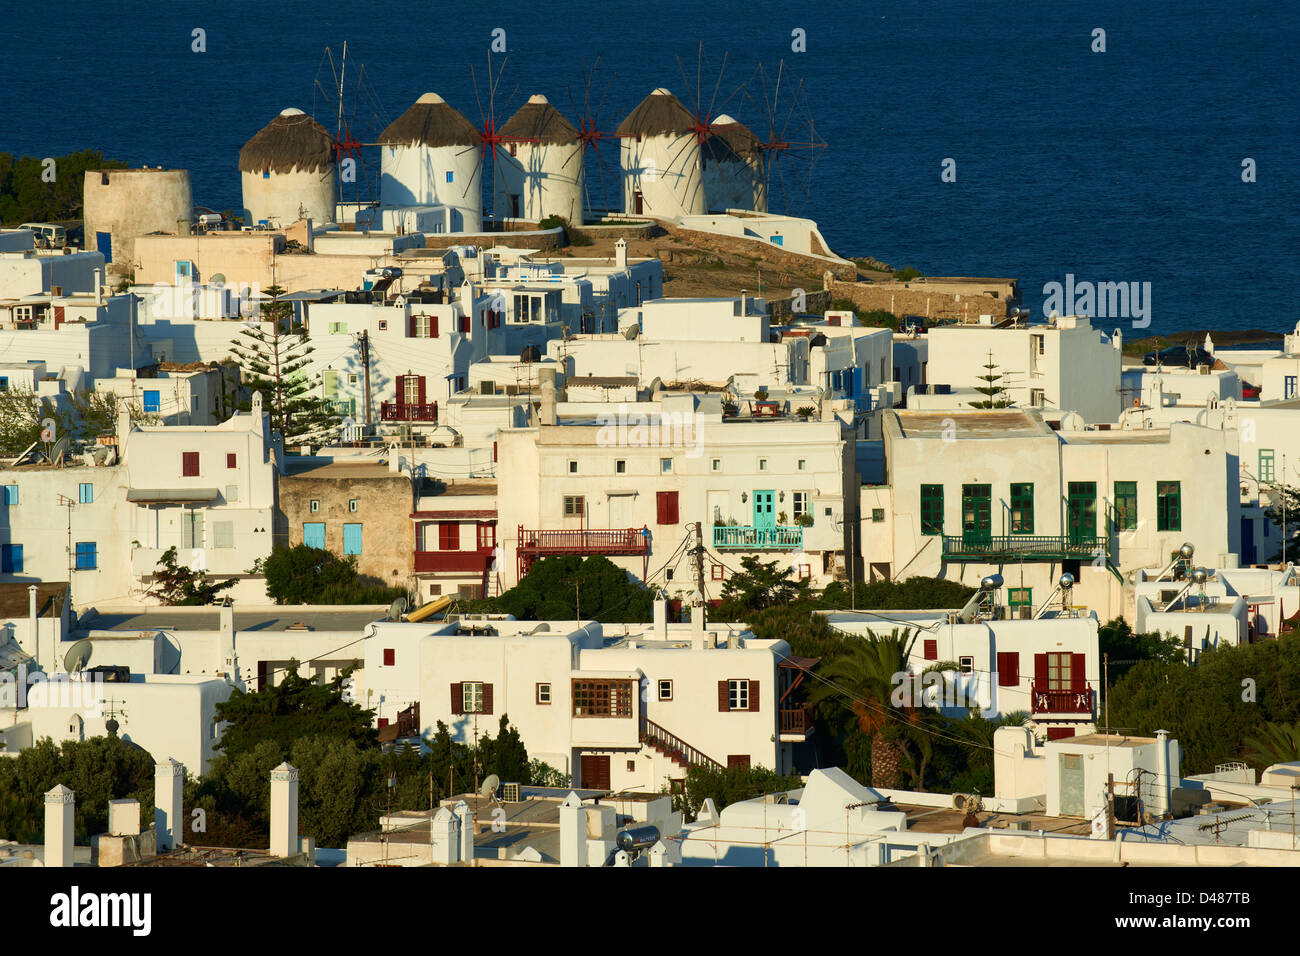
1120,166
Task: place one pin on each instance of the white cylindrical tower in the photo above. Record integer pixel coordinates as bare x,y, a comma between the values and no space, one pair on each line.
288,172
121,204
733,168
540,173
659,153
431,157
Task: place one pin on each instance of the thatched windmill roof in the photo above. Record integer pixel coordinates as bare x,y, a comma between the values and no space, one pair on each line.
657,114
292,141
730,142
430,121
538,119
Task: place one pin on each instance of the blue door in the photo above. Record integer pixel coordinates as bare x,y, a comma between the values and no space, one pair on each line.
313,534
352,539
764,517
1248,540
104,243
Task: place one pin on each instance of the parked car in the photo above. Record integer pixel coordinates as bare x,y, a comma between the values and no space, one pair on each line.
1179,356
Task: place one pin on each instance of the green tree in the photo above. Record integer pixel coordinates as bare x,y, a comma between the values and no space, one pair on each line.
1285,507
914,593
1123,648
274,359
22,412
1274,743
177,585
97,770
561,588
306,575
730,785
994,388
757,586
28,194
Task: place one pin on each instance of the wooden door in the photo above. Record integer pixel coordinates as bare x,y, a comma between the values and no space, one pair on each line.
595,771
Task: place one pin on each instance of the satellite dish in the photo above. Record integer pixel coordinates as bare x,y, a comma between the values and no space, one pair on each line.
78,656
218,279
397,609
489,787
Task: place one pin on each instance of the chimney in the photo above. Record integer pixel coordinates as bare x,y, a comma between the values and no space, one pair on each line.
1163,783
661,617
168,787
620,254
546,414
467,297
445,840
230,659
465,815
33,623
573,832
284,810
124,817
60,807
99,286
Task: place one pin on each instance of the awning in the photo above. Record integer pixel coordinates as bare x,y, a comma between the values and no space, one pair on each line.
171,496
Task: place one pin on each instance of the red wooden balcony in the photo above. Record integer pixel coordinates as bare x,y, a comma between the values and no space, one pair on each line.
467,561
582,541
1049,701
796,721
399,412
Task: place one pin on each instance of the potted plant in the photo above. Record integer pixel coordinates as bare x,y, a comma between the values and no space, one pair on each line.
806,412
804,520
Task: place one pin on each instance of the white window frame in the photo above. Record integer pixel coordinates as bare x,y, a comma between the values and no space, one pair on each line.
738,694
471,696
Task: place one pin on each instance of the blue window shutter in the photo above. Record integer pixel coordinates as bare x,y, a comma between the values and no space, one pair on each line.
11,494
87,556
86,493
352,539
313,534
151,403
11,559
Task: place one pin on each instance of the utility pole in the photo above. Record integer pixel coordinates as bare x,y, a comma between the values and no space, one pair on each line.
67,502
1105,663
699,560
365,365
1110,806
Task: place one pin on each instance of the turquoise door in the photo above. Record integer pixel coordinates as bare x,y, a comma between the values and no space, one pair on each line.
313,534
764,516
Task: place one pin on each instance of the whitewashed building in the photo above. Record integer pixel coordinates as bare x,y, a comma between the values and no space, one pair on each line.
430,156
659,154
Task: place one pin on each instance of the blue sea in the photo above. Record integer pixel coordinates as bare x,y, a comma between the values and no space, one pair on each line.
1115,166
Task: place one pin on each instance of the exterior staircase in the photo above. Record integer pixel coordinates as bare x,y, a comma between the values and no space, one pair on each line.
674,748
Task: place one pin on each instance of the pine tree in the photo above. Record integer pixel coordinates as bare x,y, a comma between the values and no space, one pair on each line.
993,389
273,358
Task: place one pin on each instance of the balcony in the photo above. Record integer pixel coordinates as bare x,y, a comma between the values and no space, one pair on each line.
469,562
747,538
537,543
996,549
399,412
796,723
1050,701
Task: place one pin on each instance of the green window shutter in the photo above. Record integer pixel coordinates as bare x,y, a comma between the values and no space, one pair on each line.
1022,508
1169,506
1126,505
932,509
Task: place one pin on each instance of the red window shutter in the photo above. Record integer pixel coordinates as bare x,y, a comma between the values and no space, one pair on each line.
931,649
724,697
189,464
1059,733
433,326
1008,668
1078,672
487,698
464,325
390,656
834,320
383,722
410,326
666,506
419,388
1040,671
231,460
753,695
448,536
457,699
494,451
738,760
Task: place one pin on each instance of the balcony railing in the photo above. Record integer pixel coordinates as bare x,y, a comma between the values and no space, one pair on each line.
399,412
1023,547
534,541
1051,701
744,537
467,561
796,720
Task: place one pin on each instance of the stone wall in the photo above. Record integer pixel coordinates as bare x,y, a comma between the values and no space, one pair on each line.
738,246
383,511
903,298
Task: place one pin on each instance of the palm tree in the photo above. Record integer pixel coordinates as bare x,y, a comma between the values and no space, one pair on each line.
1276,743
975,735
864,677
